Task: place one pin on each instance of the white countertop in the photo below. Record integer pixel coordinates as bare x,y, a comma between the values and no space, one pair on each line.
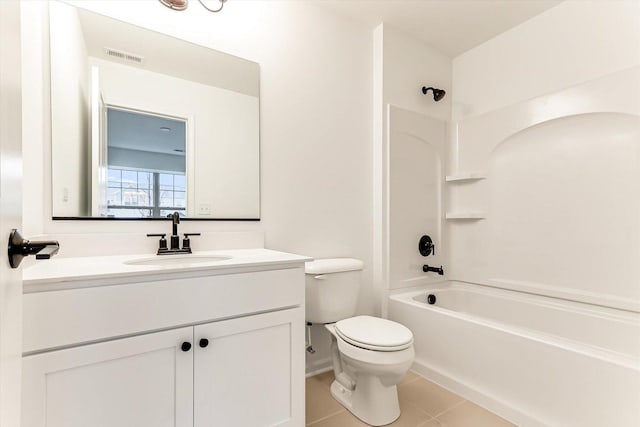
60,270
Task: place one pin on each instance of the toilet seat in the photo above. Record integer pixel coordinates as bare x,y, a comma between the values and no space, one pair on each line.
374,333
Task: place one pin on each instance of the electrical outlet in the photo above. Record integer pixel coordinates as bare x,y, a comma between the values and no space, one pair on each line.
204,209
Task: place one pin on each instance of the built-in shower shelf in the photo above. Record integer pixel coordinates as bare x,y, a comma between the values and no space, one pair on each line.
465,176
470,215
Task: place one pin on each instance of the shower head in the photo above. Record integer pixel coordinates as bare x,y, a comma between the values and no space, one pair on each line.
438,94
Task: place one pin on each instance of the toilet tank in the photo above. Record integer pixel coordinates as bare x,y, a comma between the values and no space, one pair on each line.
332,288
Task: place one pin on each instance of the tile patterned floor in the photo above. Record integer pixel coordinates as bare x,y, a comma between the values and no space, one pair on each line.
423,404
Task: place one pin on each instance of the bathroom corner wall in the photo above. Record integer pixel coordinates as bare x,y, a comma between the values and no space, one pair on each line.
523,97
409,157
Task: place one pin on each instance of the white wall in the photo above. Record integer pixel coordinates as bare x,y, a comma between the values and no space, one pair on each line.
551,190
315,130
70,118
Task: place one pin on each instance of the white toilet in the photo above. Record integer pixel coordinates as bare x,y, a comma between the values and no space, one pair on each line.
370,355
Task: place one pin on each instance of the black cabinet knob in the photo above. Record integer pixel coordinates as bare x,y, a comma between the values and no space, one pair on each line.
186,346
203,342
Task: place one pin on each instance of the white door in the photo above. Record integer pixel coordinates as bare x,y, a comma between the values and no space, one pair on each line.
145,380
10,211
250,373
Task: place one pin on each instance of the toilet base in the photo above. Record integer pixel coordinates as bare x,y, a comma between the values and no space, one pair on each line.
371,401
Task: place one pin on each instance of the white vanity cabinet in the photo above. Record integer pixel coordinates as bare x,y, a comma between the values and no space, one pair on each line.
211,350
244,377
139,381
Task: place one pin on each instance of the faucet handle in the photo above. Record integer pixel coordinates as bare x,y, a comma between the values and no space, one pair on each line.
163,242
426,246
186,242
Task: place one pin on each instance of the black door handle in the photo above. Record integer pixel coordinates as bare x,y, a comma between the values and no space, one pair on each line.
186,346
203,342
19,247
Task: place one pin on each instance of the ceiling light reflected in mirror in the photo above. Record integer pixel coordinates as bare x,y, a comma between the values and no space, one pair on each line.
183,4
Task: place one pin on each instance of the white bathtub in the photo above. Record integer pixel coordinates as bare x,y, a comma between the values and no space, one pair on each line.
532,359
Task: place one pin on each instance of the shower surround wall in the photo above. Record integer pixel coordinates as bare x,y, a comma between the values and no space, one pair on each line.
555,178
566,221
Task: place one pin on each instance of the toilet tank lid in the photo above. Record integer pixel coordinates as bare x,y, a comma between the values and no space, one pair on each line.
332,265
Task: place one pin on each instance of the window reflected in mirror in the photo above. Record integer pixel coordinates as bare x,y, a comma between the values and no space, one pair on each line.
146,165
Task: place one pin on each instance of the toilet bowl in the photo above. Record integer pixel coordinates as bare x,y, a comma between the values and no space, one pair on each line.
367,371
370,355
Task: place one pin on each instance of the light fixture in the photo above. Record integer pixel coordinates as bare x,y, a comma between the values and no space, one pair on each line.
213,10
165,129
175,4
183,4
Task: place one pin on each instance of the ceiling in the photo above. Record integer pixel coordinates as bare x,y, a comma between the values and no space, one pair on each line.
450,26
145,132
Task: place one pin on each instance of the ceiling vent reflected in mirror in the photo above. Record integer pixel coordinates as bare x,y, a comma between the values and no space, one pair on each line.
124,56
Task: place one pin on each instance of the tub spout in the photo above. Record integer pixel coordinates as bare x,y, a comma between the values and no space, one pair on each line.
426,268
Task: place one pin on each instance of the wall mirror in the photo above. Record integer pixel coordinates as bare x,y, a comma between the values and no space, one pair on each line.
144,124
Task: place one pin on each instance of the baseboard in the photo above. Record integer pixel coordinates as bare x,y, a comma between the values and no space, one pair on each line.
318,372
319,367
476,396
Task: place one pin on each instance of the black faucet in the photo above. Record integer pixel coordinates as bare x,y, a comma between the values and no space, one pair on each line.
426,268
175,239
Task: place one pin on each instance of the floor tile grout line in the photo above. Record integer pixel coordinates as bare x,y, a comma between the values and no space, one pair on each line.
424,423
326,417
419,409
450,408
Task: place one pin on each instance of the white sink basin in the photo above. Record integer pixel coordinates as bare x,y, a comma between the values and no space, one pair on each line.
178,260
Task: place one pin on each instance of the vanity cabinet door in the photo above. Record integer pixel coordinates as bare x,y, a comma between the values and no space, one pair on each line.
145,380
250,371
